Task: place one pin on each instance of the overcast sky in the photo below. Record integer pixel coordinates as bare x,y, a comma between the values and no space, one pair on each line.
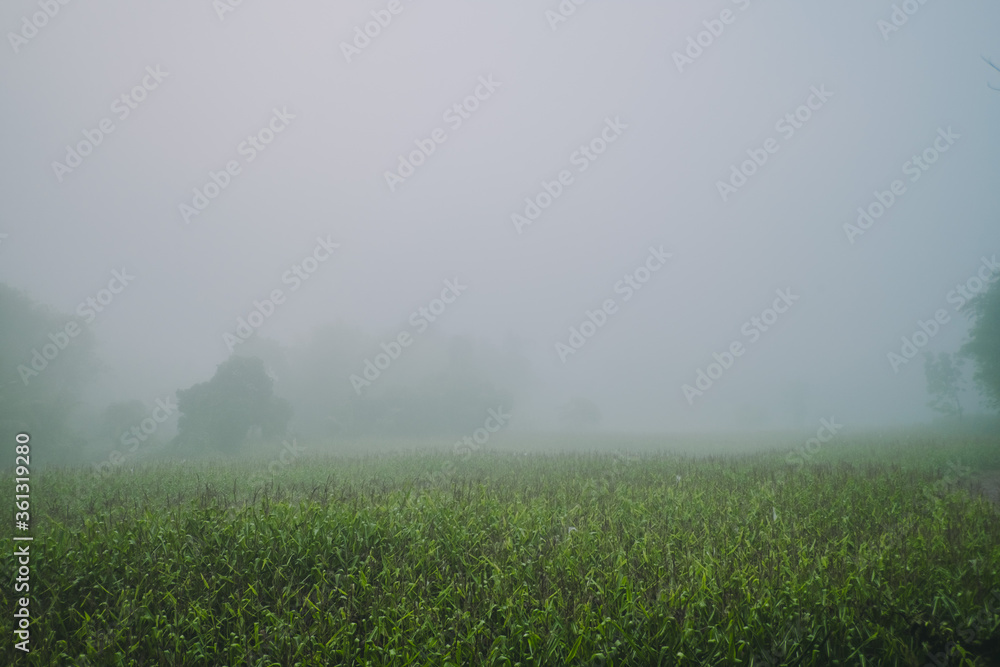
671,122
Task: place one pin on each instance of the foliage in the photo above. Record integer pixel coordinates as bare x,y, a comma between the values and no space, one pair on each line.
237,399
576,559
944,375
983,346
41,402
439,385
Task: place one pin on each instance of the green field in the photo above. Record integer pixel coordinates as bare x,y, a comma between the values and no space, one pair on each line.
876,551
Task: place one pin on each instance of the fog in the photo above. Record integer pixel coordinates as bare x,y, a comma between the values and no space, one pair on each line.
607,213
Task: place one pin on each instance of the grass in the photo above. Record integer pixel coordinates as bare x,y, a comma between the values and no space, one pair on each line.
871,553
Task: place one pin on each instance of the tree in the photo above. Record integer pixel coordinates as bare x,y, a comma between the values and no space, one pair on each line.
315,376
441,387
983,346
944,376
268,350
46,360
221,412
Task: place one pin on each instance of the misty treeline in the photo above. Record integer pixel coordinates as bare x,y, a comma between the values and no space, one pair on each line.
440,386
943,370
327,387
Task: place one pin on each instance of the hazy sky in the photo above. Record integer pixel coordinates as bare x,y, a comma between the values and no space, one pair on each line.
879,97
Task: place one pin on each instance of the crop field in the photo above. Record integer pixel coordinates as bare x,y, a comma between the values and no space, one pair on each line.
867,552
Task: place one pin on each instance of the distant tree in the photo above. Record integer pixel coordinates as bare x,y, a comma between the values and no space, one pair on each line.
944,379
580,412
448,402
983,346
221,412
441,387
267,350
43,369
315,378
